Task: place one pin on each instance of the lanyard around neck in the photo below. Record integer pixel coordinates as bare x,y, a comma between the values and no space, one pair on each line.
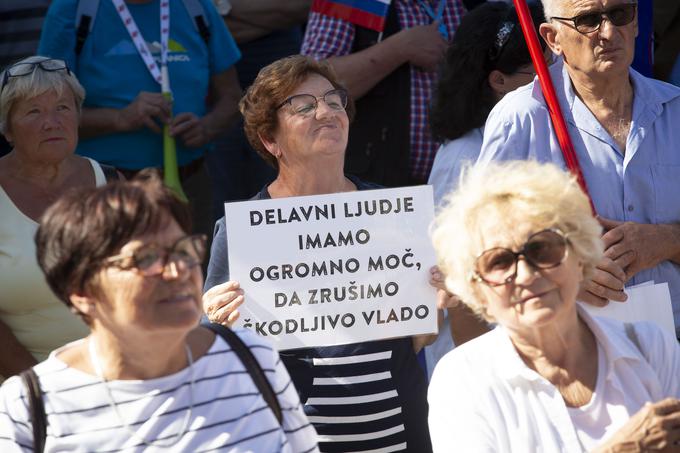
138,39
436,16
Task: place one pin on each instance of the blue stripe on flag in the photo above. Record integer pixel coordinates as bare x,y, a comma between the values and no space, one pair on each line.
376,7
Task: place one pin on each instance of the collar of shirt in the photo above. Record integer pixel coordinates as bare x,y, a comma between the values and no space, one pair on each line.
614,342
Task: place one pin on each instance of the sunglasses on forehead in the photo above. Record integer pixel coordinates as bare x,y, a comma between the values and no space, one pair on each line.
26,68
591,21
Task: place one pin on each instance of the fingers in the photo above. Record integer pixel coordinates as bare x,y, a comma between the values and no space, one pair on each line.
221,301
606,283
437,278
608,224
611,237
667,406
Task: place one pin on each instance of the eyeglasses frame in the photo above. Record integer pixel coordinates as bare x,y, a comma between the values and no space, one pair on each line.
317,98
112,260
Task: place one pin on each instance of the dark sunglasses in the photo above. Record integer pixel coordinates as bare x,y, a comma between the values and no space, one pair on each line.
23,69
152,259
543,250
591,21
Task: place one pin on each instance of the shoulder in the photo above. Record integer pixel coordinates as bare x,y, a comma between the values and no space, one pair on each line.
363,185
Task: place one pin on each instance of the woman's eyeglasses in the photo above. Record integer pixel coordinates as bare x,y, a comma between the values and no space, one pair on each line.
592,21
306,104
150,260
24,69
543,250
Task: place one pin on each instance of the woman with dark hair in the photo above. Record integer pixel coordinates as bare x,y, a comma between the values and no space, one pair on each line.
487,59
146,377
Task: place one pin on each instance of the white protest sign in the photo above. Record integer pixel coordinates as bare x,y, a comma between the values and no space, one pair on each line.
646,302
334,269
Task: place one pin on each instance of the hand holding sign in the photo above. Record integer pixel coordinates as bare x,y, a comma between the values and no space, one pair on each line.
221,302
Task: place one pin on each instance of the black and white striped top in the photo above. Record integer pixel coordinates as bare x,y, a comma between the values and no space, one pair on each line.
364,397
228,414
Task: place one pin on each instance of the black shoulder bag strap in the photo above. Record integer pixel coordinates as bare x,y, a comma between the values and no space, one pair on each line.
252,367
36,408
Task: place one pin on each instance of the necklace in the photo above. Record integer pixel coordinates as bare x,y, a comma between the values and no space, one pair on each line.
187,417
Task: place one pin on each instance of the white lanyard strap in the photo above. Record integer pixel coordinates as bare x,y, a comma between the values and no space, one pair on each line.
138,39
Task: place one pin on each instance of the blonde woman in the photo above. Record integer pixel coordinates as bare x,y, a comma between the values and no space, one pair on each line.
515,242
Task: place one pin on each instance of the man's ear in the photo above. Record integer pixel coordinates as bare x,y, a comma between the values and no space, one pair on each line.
270,144
548,32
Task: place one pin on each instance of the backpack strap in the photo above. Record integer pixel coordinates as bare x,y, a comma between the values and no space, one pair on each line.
36,408
252,367
197,14
85,14
87,11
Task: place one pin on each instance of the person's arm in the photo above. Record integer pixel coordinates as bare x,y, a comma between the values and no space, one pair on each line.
249,20
195,132
148,110
14,357
421,46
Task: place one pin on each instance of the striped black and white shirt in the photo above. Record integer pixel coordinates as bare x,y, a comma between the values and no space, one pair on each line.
229,414
364,397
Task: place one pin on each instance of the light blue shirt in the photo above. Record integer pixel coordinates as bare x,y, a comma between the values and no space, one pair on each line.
642,185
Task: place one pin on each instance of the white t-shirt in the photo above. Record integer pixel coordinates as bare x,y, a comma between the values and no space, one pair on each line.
228,414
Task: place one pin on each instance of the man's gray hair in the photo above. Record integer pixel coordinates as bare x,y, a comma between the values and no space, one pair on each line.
552,8
35,84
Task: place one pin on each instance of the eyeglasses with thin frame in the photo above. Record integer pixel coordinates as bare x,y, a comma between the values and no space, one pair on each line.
497,266
591,21
152,259
306,104
26,68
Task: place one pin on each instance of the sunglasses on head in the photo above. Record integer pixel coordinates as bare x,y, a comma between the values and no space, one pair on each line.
591,21
497,266
26,68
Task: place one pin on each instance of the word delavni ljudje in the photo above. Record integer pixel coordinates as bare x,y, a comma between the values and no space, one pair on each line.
328,211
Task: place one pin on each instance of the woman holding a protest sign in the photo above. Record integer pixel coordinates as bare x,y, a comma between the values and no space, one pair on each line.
515,241
147,377
361,396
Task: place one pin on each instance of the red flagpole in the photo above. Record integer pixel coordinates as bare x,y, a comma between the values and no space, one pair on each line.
548,89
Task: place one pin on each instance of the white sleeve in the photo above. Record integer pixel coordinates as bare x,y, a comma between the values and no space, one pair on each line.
456,420
16,431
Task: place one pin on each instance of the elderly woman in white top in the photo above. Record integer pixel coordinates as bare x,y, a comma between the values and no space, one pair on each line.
40,101
515,242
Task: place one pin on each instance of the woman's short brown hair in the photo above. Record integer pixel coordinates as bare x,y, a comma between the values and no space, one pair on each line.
84,227
273,85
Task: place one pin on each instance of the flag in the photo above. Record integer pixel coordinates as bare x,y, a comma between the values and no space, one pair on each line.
369,14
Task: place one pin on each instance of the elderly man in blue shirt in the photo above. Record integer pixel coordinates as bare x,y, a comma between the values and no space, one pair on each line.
626,133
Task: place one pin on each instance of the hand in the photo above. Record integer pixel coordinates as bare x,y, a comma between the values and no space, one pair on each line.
189,129
221,302
648,242
424,46
607,281
655,427
445,299
146,110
